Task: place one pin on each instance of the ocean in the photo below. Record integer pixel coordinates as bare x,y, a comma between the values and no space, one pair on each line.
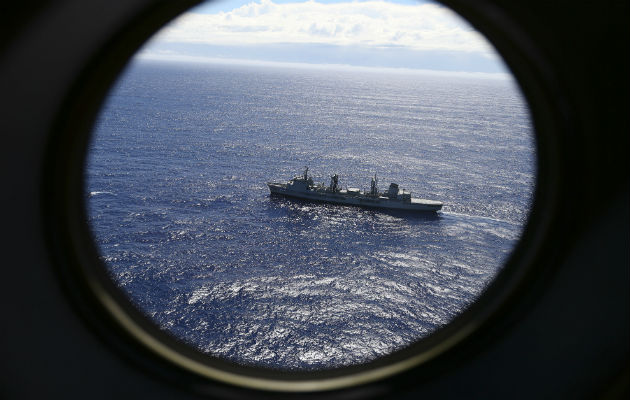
179,208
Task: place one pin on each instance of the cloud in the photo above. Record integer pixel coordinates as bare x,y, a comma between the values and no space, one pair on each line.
365,24
382,57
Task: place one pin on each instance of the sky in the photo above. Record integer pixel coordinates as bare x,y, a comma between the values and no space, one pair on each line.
400,34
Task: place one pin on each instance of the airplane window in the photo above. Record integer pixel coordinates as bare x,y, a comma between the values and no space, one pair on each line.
304,186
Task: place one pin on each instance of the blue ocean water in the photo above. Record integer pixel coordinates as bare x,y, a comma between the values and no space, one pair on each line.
178,205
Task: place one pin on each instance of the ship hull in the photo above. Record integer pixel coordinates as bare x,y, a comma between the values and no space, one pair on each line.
359,200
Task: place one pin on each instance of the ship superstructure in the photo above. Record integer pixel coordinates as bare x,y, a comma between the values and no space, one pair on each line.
394,198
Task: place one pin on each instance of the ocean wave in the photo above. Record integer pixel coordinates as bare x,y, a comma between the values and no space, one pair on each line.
98,193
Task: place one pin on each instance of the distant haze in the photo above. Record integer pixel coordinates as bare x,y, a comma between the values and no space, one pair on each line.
402,34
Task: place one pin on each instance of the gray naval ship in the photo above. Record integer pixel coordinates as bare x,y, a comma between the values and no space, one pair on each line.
394,198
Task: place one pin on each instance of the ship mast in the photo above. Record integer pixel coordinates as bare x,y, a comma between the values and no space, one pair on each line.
334,183
374,186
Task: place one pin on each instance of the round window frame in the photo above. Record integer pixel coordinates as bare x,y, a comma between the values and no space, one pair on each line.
114,318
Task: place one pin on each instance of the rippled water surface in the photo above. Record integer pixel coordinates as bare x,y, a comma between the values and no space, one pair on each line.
177,201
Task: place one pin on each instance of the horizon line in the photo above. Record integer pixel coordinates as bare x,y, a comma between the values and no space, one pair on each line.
179,58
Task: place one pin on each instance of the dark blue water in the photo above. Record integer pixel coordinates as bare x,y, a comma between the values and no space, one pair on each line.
179,207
